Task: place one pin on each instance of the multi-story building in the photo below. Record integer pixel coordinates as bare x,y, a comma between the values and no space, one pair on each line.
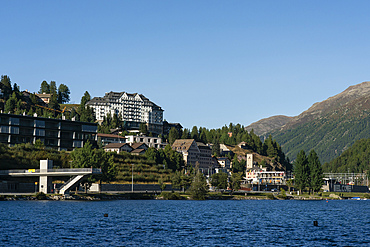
194,152
55,133
154,142
134,109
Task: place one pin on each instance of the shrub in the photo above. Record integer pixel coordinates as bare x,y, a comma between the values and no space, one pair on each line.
170,195
40,196
270,196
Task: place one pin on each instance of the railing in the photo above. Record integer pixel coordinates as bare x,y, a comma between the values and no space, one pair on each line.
71,170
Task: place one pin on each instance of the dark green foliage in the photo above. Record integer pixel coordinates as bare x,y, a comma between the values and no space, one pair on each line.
173,135
199,188
235,181
44,88
329,136
87,157
27,156
219,180
6,87
170,195
40,196
301,171
356,159
316,174
63,94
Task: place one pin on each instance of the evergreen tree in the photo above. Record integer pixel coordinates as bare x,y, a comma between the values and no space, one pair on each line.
199,187
194,133
6,87
185,134
316,173
301,171
63,94
216,148
44,88
219,180
173,135
11,104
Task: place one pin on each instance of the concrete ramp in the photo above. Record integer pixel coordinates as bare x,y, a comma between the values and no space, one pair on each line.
70,183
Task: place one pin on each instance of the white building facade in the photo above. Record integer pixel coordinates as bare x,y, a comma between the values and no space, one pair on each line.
132,107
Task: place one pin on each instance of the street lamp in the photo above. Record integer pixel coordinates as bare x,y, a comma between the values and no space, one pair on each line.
132,187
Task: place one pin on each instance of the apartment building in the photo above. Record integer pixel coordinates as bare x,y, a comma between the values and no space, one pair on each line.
55,133
134,109
154,142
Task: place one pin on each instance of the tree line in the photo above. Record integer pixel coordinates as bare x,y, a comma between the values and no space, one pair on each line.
13,101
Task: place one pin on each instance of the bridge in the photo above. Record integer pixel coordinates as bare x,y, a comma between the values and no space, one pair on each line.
46,170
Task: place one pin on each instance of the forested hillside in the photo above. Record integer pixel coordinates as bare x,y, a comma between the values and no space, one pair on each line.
356,159
329,127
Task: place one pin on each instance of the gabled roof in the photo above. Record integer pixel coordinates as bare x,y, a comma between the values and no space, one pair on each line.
138,145
111,136
183,144
116,145
138,151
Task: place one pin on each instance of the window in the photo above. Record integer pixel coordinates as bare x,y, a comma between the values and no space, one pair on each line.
4,129
13,121
39,132
39,124
90,128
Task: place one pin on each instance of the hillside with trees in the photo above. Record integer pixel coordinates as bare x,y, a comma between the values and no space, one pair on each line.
329,127
15,101
355,159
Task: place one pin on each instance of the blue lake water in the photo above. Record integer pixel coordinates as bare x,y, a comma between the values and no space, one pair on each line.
184,223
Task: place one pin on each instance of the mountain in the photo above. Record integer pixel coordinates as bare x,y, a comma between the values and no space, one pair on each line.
268,124
330,127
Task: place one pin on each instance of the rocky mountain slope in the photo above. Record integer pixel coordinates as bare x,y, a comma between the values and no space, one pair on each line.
329,127
268,124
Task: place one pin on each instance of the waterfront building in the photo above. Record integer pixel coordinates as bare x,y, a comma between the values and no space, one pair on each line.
133,108
55,133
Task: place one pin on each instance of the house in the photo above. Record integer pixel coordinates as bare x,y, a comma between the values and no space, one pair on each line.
224,162
154,142
118,147
44,97
139,151
139,146
225,150
109,138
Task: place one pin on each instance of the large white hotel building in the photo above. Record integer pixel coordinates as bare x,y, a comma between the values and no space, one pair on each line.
134,109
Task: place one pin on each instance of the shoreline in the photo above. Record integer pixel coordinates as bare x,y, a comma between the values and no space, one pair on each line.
160,196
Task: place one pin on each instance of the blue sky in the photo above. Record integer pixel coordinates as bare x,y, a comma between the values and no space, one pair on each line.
206,63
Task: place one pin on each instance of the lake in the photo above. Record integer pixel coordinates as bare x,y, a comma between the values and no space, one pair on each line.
185,223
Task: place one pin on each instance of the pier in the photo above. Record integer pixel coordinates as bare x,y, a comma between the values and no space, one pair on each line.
46,170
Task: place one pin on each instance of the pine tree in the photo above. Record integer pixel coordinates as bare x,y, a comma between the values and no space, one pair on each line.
316,173
301,171
199,187
173,135
44,88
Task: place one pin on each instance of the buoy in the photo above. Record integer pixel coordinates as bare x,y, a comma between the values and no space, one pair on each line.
315,223
105,215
